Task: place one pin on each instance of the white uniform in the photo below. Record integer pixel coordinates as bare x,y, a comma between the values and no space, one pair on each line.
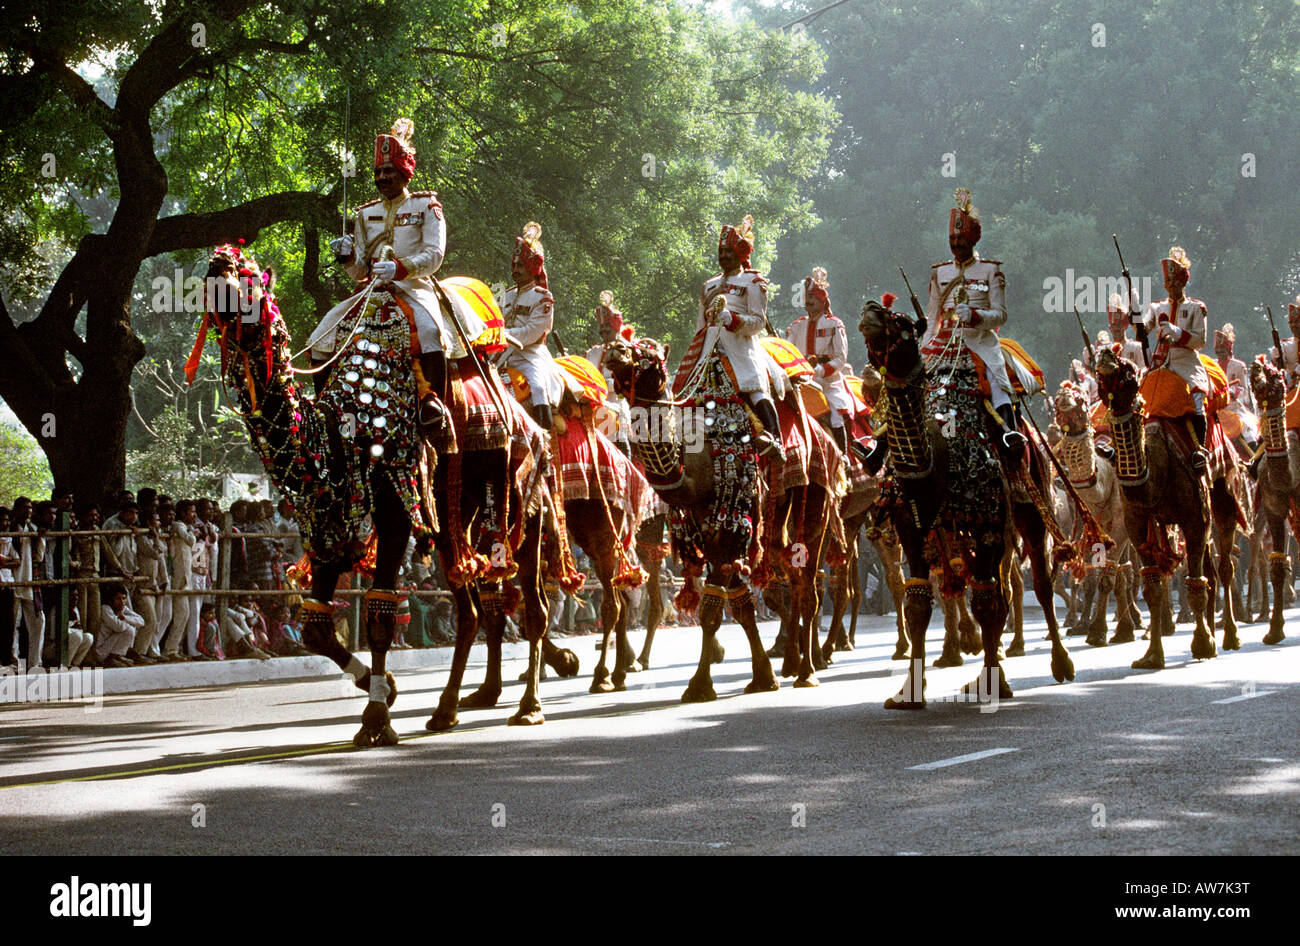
530,315
620,414
986,295
1132,351
1238,384
737,329
1183,359
1291,363
831,341
412,225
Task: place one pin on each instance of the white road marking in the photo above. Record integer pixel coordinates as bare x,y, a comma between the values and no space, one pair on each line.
713,844
1245,696
959,759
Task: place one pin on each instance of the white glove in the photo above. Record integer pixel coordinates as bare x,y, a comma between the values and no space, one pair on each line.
342,247
385,270
963,312
1168,331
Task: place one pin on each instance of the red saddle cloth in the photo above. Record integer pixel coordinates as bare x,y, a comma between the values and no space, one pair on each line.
584,474
810,453
485,428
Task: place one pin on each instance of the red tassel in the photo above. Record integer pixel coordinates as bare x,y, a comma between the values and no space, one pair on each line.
192,363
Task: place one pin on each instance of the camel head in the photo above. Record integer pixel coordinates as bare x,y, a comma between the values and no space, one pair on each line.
1267,383
640,369
893,339
1116,379
1071,409
239,296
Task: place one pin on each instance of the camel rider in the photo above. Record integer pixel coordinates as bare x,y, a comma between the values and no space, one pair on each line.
529,310
1118,319
820,336
396,245
733,307
1289,359
1179,326
1234,369
967,295
610,325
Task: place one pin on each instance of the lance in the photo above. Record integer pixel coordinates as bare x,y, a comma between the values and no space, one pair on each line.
1087,346
1128,282
916,303
1277,340
347,120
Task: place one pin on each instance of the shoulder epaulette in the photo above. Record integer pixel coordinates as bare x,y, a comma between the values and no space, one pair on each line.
943,263
370,204
995,262
433,194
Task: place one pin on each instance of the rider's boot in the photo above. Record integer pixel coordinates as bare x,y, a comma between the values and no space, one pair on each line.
434,417
542,414
769,441
1012,445
875,459
841,435
1200,459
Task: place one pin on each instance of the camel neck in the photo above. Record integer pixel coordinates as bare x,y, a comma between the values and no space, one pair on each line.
1129,434
1080,457
909,439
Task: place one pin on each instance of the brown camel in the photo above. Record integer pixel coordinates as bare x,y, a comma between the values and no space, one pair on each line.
1277,494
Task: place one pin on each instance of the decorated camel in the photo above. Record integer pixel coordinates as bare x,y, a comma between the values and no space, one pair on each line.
948,498
352,457
1277,494
1093,478
1162,489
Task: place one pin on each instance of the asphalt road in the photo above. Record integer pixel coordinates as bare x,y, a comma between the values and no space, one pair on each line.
1200,758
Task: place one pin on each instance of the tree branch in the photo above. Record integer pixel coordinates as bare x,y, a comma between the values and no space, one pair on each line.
243,221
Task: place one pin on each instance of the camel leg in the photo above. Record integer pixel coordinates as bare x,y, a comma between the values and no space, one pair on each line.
609,616
918,602
950,656
535,622
444,717
1225,528
494,629
1279,571
806,604
855,600
1089,583
839,603
1155,589
318,629
700,689
890,560
742,609
654,611
989,605
1097,625
1123,607
1016,603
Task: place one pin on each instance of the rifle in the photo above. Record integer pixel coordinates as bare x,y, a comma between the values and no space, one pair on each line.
1128,283
1277,340
916,303
558,343
1087,346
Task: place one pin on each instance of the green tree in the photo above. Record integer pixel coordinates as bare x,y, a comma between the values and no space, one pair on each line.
23,470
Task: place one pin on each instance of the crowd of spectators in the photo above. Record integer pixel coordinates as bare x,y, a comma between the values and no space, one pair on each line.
141,588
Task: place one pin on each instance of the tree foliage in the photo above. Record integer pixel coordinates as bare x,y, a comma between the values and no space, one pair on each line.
629,130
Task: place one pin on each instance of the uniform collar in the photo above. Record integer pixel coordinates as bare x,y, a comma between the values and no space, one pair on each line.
401,198
974,258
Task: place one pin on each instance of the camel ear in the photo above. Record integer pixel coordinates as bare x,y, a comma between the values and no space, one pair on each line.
270,278
666,347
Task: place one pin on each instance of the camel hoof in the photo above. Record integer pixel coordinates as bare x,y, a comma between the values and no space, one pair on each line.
1077,630
604,685
1062,668
565,663
633,667
776,650
1231,641
977,688
699,693
843,644
644,661
482,698
1169,631
1017,649
806,683
1123,637
1274,636
1096,639
900,652
1203,647
441,721
363,684
1149,661
828,658
620,682
895,703
790,666
819,662
763,684
719,653
951,657
376,728
527,718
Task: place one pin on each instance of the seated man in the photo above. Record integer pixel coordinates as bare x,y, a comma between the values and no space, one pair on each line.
821,338
733,306
397,244
529,311
1180,325
118,627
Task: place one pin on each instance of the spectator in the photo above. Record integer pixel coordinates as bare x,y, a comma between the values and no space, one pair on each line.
285,635
31,567
181,544
147,499
286,524
79,642
124,546
261,551
119,625
91,557
8,619
238,632
154,605
209,642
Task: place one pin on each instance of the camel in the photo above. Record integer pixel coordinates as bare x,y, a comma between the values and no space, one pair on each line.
948,498
714,491
1093,478
1277,493
1161,490
353,451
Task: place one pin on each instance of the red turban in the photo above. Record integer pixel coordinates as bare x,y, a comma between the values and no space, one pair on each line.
739,239
394,149
528,250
